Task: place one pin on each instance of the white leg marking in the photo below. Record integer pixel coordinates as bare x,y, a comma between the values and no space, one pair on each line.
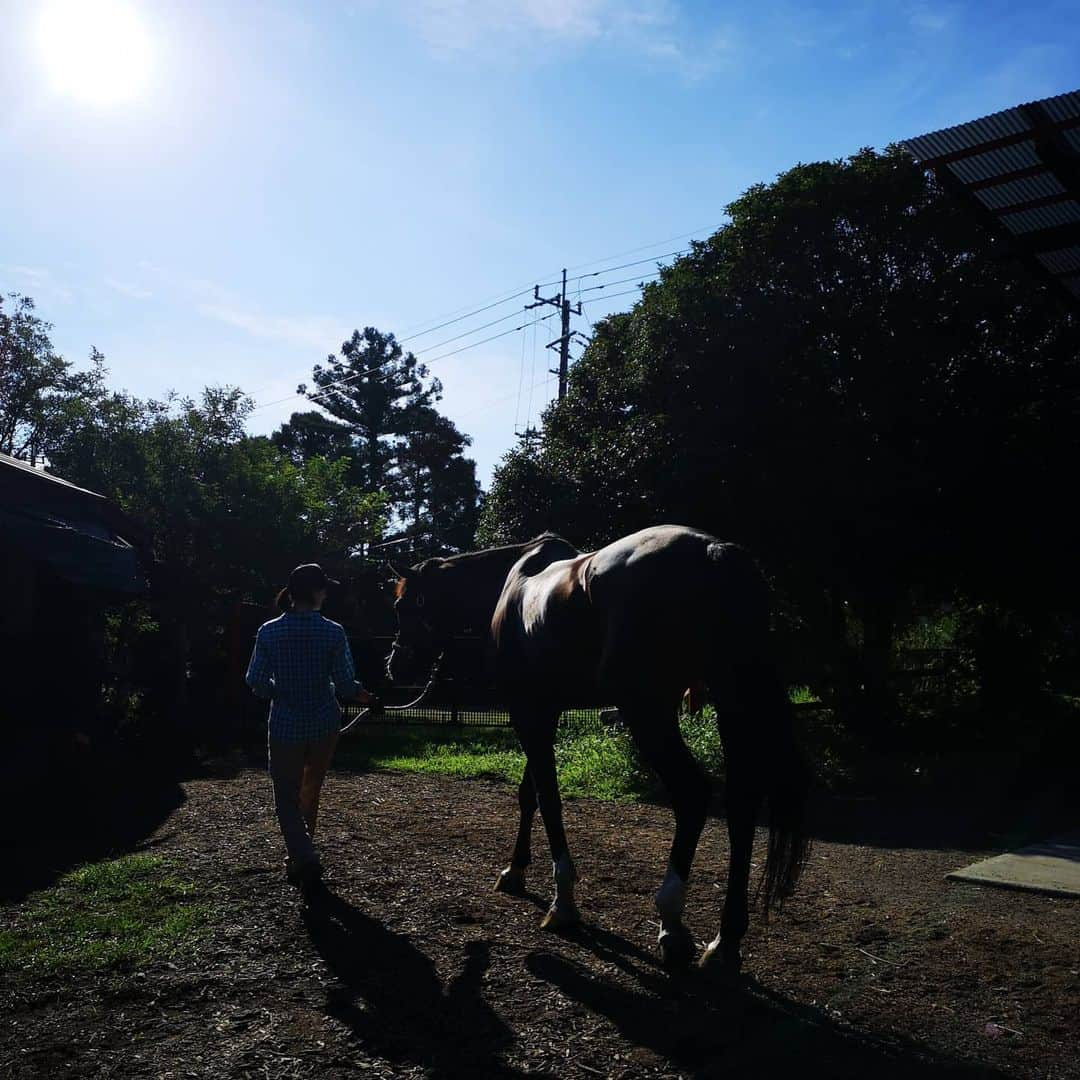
671,899
564,874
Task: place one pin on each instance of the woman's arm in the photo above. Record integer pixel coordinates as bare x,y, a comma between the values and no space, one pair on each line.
260,672
343,674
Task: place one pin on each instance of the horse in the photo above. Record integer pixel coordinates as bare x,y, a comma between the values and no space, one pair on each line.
632,624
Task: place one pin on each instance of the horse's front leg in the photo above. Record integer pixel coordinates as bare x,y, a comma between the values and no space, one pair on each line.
512,879
536,730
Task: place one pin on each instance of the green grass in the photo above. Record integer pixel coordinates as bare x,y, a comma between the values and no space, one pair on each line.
599,763
122,913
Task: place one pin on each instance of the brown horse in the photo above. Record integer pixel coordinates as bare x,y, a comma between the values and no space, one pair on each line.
632,625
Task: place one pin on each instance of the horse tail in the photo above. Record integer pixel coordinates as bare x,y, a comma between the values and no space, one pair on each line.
782,771
786,794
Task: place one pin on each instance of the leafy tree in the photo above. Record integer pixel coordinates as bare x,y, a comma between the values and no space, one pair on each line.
440,493
848,377
383,420
227,511
314,434
38,390
376,388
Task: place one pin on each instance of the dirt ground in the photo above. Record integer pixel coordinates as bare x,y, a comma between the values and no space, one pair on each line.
413,966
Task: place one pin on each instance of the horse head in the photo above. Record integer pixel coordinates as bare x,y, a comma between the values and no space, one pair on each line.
421,606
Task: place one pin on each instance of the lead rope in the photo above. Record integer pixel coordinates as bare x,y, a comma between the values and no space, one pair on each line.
378,707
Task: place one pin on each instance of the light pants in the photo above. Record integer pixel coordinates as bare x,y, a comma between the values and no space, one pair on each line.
297,771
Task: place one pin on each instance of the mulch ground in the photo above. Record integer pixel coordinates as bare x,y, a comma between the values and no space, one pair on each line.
412,966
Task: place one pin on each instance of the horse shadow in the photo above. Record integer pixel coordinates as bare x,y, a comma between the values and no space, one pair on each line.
391,998
705,1028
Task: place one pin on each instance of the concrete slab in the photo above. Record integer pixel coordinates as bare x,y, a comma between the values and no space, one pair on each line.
1052,867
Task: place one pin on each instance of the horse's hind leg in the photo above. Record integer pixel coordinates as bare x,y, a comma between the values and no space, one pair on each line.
742,801
656,732
512,879
536,730
750,699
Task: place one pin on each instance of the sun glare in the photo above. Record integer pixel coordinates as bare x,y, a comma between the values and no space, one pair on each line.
96,51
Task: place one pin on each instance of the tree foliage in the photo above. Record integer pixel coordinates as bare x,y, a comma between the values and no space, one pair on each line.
39,391
850,378
383,421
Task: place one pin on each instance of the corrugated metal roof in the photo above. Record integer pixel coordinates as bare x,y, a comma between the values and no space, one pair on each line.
965,136
1021,168
1042,217
1062,261
1005,159
1012,192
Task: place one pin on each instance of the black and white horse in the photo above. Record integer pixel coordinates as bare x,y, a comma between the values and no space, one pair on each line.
631,625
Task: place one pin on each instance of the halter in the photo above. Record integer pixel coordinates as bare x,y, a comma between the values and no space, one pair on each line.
439,644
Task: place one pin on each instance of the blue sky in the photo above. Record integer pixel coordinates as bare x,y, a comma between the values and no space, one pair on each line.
286,172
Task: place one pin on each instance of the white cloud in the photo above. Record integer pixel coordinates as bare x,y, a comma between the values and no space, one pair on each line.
136,292
36,279
655,30
930,20
318,333
322,334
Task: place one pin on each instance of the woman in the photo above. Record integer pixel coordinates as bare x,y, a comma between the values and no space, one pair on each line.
302,663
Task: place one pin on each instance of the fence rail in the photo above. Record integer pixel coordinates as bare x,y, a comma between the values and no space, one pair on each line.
449,715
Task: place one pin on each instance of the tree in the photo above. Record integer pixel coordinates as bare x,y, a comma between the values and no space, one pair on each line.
376,388
38,390
439,490
314,434
383,420
850,378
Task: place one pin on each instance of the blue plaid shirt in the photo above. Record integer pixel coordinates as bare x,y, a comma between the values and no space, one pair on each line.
302,662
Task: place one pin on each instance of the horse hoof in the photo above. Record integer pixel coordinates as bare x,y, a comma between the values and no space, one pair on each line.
561,918
511,880
725,963
676,948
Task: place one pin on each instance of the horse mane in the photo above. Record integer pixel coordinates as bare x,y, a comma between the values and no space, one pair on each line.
501,549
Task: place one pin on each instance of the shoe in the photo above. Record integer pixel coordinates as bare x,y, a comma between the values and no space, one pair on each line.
311,884
301,876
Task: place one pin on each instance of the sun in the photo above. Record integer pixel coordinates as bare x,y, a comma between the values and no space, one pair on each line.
96,51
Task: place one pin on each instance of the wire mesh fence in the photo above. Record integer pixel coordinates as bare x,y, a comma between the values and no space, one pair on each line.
451,715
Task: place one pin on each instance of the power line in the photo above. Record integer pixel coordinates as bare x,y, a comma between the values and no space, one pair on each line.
613,296
644,247
506,298
468,315
621,266
619,281
504,397
375,367
525,290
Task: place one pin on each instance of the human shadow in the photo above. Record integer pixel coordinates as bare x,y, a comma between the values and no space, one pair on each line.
707,1029
392,999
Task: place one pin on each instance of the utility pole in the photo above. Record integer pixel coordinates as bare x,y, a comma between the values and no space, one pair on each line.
566,309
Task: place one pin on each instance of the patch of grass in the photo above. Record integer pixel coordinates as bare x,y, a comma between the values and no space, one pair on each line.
122,913
467,760
492,753
600,764
803,695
